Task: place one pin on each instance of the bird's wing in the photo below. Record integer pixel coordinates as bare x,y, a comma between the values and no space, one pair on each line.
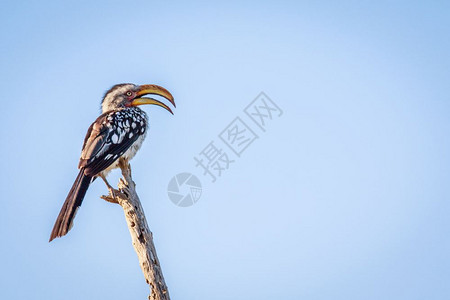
107,139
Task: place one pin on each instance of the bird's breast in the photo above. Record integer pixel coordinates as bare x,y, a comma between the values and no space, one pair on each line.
131,152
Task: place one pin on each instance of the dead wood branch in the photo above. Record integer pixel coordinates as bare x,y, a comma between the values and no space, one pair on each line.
141,236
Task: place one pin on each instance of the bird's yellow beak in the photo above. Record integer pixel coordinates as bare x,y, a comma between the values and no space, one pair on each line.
151,89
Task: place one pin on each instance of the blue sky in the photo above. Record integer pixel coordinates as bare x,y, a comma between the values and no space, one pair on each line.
345,196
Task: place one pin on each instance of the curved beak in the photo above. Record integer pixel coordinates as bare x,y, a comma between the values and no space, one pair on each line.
151,89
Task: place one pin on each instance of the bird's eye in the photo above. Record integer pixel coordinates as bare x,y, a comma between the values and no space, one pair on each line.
129,93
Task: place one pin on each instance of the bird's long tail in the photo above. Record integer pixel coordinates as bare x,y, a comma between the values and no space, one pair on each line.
73,201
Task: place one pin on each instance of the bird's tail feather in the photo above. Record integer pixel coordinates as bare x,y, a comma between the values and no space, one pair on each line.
73,201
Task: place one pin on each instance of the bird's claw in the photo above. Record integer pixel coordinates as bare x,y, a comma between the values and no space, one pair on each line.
112,197
113,193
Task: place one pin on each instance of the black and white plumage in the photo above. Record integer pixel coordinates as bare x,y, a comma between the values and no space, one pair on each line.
117,133
112,135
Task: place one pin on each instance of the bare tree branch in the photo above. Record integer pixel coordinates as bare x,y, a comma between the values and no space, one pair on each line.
141,236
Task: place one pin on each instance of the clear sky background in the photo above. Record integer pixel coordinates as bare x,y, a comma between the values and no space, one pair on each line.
345,196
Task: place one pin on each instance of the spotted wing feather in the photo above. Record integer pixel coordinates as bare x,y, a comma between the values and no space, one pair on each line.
107,139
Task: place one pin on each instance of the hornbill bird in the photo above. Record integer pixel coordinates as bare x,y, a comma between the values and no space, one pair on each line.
117,133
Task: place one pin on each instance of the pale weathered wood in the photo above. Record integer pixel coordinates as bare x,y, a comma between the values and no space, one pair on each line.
141,236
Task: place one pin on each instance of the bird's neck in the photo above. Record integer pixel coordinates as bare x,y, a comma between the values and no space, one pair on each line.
133,108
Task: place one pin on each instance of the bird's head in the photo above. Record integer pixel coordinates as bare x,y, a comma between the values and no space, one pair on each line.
127,95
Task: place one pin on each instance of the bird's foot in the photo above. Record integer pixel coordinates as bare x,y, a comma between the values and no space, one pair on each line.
112,197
